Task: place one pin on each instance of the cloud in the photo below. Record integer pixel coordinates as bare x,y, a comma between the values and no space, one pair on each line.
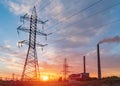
5,48
18,8
72,39
54,11
81,30
21,7
11,58
74,29
75,61
109,62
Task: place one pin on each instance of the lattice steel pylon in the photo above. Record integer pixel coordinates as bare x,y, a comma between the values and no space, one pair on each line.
31,66
65,69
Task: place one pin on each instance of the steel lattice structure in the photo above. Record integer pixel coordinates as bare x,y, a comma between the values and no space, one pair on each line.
65,69
31,66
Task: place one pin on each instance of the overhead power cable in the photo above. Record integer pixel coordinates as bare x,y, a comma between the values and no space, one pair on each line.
89,16
69,17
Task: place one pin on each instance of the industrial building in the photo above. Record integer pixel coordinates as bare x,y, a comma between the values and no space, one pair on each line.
80,76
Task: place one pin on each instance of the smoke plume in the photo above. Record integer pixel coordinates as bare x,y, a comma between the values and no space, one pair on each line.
108,40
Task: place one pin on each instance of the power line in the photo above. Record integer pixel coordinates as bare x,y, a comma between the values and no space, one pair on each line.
77,13
47,4
103,25
106,24
60,13
112,22
102,10
74,13
89,15
95,13
36,3
69,17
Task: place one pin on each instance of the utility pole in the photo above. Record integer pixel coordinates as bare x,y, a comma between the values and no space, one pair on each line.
31,67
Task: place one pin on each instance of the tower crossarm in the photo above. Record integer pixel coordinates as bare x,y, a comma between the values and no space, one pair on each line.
21,43
41,22
41,45
41,33
22,29
28,30
25,17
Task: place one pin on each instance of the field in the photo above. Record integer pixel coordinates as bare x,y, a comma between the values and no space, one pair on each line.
104,82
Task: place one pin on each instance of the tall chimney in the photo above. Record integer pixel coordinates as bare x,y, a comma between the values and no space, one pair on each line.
84,63
98,60
13,76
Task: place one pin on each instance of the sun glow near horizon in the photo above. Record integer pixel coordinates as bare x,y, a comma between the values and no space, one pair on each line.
49,76
45,78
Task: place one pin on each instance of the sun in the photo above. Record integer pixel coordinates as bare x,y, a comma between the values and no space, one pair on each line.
45,78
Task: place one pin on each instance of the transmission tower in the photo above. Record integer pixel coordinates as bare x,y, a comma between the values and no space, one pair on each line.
31,66
65,69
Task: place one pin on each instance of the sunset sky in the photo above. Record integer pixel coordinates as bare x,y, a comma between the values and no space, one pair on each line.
76,25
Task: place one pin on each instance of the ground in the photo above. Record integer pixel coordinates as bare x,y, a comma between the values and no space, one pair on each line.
114,81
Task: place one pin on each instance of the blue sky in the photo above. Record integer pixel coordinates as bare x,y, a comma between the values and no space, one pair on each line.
75,34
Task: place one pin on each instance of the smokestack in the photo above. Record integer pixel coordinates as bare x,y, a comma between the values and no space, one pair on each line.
13,76
84,63
98,59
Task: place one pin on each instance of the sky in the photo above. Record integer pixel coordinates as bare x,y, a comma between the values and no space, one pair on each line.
76,26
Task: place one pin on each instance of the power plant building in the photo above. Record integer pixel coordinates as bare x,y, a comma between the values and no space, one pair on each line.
80,76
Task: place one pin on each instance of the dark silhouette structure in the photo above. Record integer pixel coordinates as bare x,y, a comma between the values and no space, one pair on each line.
84,75
65,69
84,63
98,60
80,76
31,66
